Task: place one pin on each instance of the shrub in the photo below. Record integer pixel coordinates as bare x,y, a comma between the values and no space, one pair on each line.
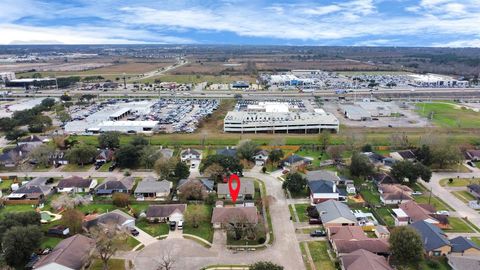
121,199
261,240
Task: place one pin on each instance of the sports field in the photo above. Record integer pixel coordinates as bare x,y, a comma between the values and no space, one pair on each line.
449,115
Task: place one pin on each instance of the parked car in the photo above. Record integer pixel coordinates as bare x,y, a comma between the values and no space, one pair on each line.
418,193
173,224
112,167
317,233
443,213
134,232
471,164
180,225
314,221
285,171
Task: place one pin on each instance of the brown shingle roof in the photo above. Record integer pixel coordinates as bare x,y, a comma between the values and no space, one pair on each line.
364,260
416,211
72,252
374,245
346,232
74,181
227,214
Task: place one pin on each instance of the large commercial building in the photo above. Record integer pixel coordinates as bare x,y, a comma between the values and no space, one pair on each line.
276,118
7,76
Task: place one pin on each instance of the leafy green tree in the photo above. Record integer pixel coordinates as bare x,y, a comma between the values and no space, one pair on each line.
40,123
182,170
229,164
109,139
18,219
42,154
446,155
367,148
7,124
360,165
264,265
324,140
128,156
411,171
247,149
164,167
63,116
18,244
148,156
275,155
65,97
295,183
139,141
424,155
48,103
406,246
81,154
15,134
73,219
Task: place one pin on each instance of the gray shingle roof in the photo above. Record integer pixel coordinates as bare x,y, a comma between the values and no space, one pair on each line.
246,187
72,252
74,181
321,186
163,211
149,186
460,244
322,175
331,210
432,236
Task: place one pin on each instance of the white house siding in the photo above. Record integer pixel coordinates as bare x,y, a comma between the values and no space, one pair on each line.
54,266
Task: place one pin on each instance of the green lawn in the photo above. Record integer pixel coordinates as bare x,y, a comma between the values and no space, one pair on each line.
476,240
104,167
458,225
449,115
313,154
318,251
290,208
386,214
304,257
154,229
50,242
5,184
371,195
113,264
204,229
462,182
302,211
76,168
129,244
16,208
464,196
434,200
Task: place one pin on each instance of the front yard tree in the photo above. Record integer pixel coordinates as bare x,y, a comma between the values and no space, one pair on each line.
411,171
265,266
42,154
247,149
195,214
406,246
139,141
229,164
108,239
360,166
128,156
446,155
109,139
182,171
424,155
275,155
72,219
164,167
18,244
148,156
295,183
81,154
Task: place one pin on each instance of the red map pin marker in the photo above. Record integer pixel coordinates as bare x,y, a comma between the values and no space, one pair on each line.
234,192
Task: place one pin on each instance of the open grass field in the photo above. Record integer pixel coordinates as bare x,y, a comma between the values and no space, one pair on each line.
449,115
461,182
205,229
318,251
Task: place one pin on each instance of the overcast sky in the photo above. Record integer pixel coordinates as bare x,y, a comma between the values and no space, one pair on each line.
452,23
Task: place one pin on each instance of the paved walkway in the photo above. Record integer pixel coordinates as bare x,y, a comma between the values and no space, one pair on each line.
145,238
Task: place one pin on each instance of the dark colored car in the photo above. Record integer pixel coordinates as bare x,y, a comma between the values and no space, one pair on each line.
314,221
471,164
317,233
134,232
112,167
173,225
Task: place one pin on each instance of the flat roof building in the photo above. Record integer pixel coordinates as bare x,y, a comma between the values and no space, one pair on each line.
355,113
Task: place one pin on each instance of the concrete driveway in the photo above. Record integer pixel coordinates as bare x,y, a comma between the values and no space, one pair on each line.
145,238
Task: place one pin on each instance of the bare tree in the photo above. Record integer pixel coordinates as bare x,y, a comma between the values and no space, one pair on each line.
166,261
241,227
108,239
192,190
214,171
67,201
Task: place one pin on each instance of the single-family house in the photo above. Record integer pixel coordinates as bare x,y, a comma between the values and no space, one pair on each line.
73,253
35,191
116,218
295,160
322,190
394,194
227,151
374,245
363,260
466,262
345,233
403,155
474,189
104,156
151,188
224,215
261,158
464,246
166,212
382,178
112,185
434,240
425,212
472,154
246,191
401,218
324,175
335,213
189,155
76,184
12,157
31,140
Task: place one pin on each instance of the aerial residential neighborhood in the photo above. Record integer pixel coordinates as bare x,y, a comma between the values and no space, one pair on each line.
240,135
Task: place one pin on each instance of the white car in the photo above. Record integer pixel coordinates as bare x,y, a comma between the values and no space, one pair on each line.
180,225
443,213
418,193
